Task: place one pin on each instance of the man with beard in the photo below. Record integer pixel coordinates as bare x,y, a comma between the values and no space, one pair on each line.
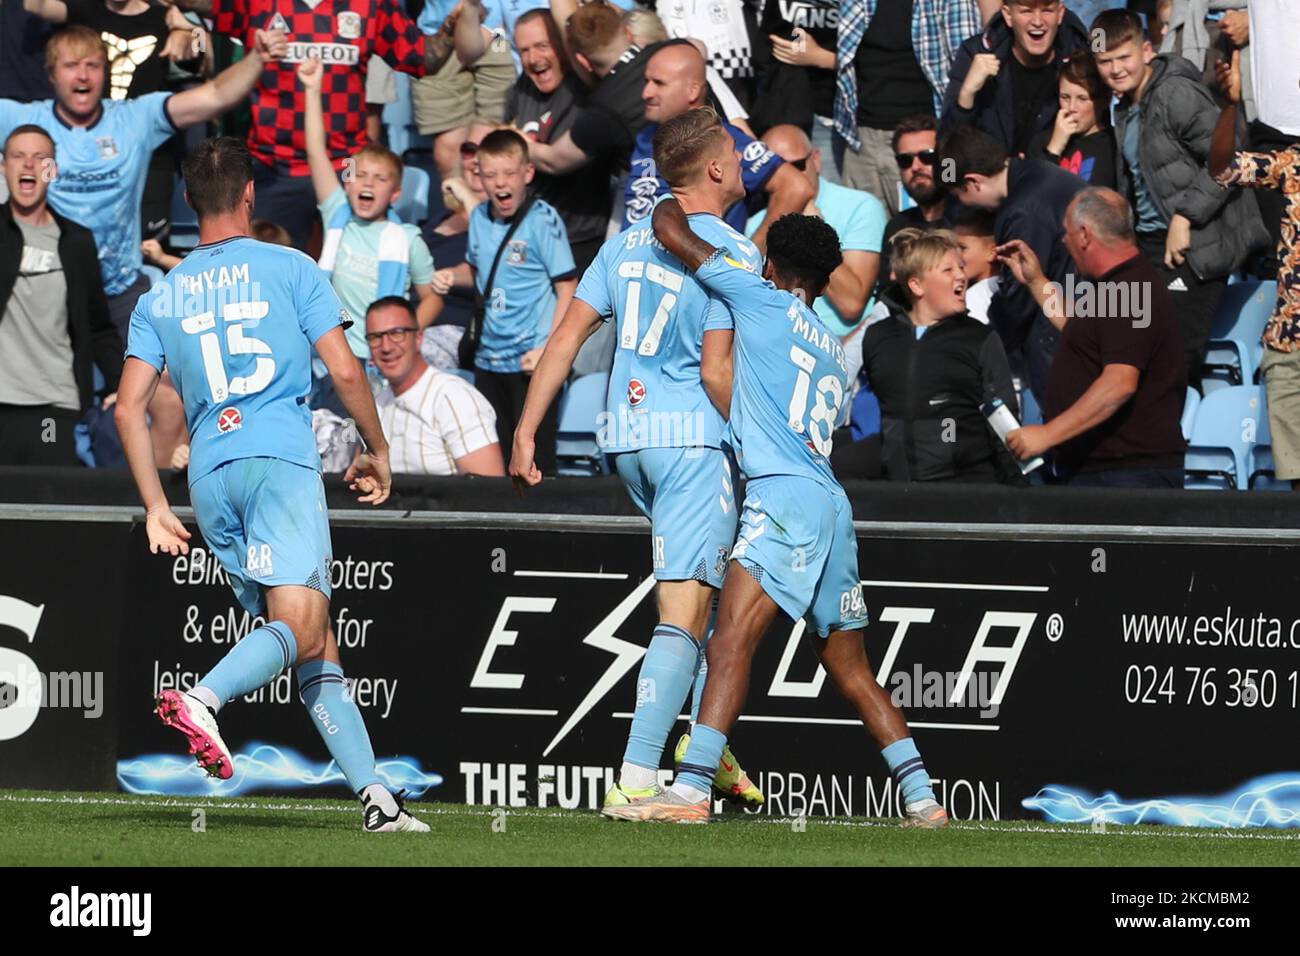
914,142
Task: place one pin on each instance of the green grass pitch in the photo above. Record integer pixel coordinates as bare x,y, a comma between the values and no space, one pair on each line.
95,829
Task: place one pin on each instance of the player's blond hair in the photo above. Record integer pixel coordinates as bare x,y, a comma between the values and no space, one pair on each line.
78,40
682,144
914,252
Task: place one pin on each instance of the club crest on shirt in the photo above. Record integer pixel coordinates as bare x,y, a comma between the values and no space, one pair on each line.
107,146
229,420
349,25
517,252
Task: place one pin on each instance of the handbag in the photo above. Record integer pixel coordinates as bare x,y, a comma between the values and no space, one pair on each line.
469,342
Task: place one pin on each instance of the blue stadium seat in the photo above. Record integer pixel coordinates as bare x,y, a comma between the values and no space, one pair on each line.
1226,428
1190,405
1030,414
1262,475
185,223
577,451
413,204
1234,346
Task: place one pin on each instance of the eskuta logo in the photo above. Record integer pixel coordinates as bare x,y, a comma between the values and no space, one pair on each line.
20,683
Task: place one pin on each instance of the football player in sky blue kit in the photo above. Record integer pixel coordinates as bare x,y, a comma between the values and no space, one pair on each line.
236,323
796,551
665,415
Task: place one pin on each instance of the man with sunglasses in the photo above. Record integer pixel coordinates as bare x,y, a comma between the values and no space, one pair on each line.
914,144
858,219
437,423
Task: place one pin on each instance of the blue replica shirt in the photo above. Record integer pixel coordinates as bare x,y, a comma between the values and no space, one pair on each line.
235,323
757,164
102,169
521,306
790,376
501,17
656,398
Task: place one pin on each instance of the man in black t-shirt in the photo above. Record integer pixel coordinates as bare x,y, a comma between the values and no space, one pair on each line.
544,103
1115,397
1004,80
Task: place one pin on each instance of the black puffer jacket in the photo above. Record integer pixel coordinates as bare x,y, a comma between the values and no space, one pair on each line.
995,111
930,392
1178,120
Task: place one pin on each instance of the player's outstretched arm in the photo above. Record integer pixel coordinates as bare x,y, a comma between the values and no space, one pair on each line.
229,87
369,473
311,74
578,324
134,393
673,229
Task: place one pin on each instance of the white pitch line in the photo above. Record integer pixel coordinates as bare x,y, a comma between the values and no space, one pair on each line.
557,813
955,586
580,575
510,711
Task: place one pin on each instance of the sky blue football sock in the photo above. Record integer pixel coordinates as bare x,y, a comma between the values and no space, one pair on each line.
661,687
905,764
337,717
253,662
700,765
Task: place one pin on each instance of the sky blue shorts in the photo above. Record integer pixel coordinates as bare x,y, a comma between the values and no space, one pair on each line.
689,496
265,520
796,540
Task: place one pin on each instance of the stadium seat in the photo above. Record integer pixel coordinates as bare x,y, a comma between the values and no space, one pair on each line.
185,223
413,204
1226,427
1234,346
1190,405
577,451
398,117
1030,414
1262,476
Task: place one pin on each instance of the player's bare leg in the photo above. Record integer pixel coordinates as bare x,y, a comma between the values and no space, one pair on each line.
744,614
844,655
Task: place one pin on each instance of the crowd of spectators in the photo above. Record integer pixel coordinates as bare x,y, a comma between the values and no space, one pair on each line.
975,157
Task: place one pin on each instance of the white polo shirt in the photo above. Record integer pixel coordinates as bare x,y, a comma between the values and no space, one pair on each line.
437,420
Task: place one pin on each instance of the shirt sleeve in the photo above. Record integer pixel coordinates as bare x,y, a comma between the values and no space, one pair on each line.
230,17
757,162
142,339
14,114
866,226
717,316
319,308
331,205
600,134
593,289
472,241
398,40
550,236
1264,170
743,291
464,419
420,260
149,114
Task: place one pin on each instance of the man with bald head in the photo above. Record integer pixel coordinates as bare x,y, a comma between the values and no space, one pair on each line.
857,217
1115,394
676,82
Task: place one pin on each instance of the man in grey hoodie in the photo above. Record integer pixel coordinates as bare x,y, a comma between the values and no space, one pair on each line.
1192,231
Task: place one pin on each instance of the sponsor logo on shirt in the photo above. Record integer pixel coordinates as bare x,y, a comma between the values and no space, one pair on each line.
635,392
330,54
349,25
517,252
278,23
229,420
